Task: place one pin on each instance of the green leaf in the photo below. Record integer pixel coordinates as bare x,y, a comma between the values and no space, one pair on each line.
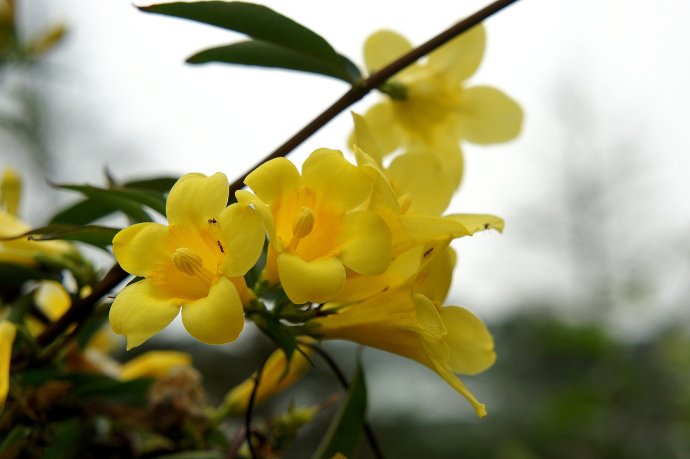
265,54
92,386
15,442
256,21
268,27
345,429
98,236
160,184
15,275
113,196
194,455
83,212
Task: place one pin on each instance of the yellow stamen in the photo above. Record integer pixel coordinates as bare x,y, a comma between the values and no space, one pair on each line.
302,226
187,261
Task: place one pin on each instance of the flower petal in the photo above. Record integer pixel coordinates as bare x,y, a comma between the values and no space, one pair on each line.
383,47
364,138
317,281
487,115
139,312
154,364
8,331
217,318
247,198
366,243
471,345
244,235
459,58
479,222
273,179
332,177
195,198
422,176
52,298
424,228
140,248
384,127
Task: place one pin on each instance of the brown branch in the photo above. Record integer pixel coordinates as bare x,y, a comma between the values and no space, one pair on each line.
82,308
358,91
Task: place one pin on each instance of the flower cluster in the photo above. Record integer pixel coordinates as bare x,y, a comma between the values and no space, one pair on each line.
349,238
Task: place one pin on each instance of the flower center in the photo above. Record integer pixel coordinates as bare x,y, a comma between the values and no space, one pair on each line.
302,226
190,263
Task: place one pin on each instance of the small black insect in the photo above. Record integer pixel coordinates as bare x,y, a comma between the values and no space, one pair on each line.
220,246
212,221
486,226
428,252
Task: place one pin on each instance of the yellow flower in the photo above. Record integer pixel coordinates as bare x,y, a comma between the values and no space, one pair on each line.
275,378
53,301
434,104
318,229
7,333
154,364
446,339
195,264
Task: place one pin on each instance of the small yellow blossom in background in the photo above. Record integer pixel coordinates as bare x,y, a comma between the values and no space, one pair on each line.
22,250
275,378
194,265
317,226
434,104
52,300
7,333
154,364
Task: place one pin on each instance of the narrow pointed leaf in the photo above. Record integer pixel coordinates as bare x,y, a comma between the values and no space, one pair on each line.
256,21
263,54
97,236
346,428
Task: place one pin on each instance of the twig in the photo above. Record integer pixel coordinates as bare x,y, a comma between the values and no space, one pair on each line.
250,407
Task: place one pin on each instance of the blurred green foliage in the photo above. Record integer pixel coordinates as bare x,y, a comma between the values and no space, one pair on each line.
563,390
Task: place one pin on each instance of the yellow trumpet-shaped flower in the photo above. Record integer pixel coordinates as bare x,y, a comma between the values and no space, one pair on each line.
316,223
10,191
275,378
433,104
7,333
446,339
195,264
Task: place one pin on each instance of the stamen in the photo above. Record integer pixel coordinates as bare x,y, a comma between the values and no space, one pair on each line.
302,226
187,261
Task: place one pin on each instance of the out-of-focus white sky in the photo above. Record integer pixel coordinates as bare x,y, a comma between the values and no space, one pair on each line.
604,86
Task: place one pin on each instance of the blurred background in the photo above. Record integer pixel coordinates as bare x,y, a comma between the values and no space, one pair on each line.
585,292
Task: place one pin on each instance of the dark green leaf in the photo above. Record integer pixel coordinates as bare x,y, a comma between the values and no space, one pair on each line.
98,236
92,386
265,54
160,184
83,212
270,28
125,197
256,21
15,442
194,455
14,275
345,429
